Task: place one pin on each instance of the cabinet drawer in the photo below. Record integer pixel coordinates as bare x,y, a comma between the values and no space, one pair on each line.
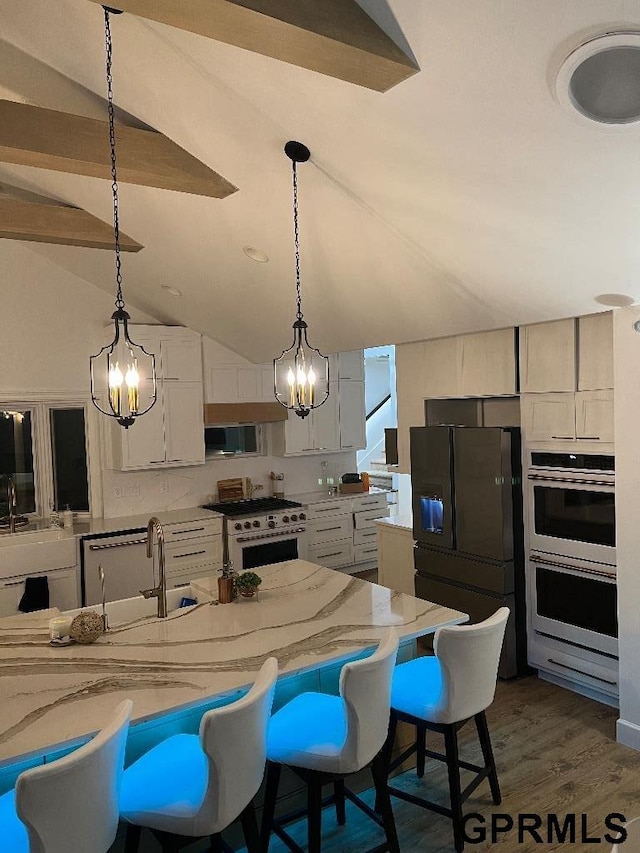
326,508
192,529
192,573
366,552
365,536
193,552
332,554
592,670
367,502
367,518
63,591
329,529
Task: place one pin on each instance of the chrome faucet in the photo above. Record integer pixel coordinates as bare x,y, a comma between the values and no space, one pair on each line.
12,501
160,591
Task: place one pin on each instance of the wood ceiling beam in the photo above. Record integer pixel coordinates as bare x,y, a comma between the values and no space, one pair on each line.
334,37
48,139
50,222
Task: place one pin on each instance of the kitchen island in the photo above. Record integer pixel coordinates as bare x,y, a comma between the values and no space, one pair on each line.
310,618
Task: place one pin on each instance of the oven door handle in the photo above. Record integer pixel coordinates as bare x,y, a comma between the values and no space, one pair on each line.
570,480
281,534
566,566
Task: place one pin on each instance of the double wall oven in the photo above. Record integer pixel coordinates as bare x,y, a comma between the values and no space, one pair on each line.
572,556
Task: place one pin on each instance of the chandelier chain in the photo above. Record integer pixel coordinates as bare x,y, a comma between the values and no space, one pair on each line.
296,240
114,174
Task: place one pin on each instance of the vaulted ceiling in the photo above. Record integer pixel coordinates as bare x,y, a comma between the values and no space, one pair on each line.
464,198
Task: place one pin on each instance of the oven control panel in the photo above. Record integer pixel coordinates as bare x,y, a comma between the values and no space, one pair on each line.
268,522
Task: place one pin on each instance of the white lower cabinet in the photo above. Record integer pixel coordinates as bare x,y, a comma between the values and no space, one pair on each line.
342,532
192,551
594,415
63,591
353,434
395,558
582,670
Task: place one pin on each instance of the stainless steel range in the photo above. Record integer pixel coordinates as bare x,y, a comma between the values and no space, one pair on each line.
263,531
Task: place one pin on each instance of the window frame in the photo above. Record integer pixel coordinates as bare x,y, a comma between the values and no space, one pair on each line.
43,482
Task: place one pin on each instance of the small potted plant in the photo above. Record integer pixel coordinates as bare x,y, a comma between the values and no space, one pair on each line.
247,583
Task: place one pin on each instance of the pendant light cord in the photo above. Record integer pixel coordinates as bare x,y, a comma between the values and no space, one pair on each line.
114,173
296,240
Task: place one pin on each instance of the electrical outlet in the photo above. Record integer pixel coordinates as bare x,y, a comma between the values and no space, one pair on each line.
117,491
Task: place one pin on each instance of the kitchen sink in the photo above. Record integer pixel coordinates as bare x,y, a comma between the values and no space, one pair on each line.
132,609
29,535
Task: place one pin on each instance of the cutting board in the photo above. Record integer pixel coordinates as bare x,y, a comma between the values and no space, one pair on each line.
234,489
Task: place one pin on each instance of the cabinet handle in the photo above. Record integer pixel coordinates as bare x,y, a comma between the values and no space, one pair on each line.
160,461
366,503
103,547
13,583
332,554
564,437
347,446
581,671
327,529
190,530
178,585
308,448
588,438
328,508
190,554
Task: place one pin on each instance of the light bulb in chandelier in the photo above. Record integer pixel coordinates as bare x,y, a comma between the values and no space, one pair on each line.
122,362
301,373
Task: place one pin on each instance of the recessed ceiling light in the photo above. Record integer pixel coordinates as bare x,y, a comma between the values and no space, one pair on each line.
172,291
255,254
615,300
598,81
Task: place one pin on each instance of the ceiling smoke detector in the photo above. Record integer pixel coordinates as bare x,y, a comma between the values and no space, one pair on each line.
599,81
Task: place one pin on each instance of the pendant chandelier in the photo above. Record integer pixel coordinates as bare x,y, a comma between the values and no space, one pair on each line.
123,373
301,373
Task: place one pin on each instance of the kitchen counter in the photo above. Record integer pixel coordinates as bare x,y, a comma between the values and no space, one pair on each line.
307,616
405,522
134,523
320,496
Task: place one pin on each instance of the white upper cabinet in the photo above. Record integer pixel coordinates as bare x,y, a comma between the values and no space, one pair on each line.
351,365
595,352
487,364
353,434
440,371
594,415
172,432
238,383
547,417
548,357
325,423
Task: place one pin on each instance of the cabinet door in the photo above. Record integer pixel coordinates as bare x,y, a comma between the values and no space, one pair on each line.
548,416
410,398
441,371
487,364
325,422
297,434
351,365
181,359
595,352
352,415
184,423
548,357
63,591
594,415
266,383
143,443
223,384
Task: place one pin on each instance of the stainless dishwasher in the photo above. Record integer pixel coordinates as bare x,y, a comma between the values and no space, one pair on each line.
123,556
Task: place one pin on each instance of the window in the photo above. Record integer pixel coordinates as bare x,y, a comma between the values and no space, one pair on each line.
43,450
232,440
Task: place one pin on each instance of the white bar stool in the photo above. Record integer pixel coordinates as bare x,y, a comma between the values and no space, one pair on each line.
72,803
191,786
324,738
441,694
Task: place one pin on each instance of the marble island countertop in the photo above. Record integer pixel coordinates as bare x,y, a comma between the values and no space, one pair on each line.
307,616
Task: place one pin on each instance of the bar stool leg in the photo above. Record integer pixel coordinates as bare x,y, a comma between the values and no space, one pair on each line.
250,829
132,841
215,844
421,746
269,805
487,752
383,802
453,766
314,810
387,752
338,789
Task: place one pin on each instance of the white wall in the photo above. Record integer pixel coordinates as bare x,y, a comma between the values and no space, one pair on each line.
50,323
626,355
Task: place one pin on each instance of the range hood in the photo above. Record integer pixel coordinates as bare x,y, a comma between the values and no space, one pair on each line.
243,413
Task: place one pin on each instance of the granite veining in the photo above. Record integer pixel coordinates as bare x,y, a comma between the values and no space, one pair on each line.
306,615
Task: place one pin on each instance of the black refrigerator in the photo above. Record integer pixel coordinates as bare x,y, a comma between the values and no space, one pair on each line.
468,526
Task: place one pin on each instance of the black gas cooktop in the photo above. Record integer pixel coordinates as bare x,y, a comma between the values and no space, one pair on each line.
256,506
